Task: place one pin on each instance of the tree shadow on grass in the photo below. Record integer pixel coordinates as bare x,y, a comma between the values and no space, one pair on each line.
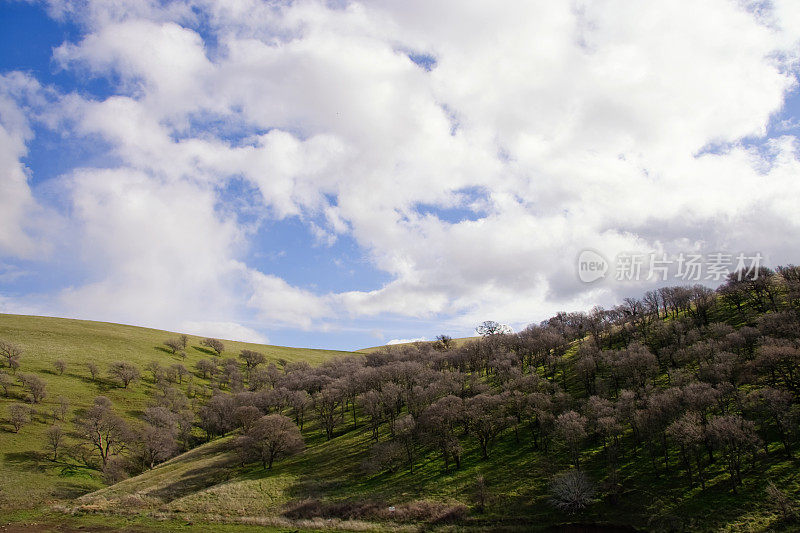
164,350
207,351
16,395
28,460
81,377
135,413
70,490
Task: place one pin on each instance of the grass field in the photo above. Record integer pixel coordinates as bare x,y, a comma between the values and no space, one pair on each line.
27,474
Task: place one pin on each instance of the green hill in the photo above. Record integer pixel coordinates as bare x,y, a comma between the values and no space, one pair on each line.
675,418
27,475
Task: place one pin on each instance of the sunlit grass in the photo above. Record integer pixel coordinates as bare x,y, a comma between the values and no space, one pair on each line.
27,474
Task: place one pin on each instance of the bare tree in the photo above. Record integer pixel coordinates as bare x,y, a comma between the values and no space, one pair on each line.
217,416
571,491
60,366
327,403
156,371
206,367
94,370
772,407
407,434
781,501
62,408
35,386
105,431
214,344
19,415
571,427
116,469
735,437
687,432
384,456
246,416
174,345
485,418
270,437
372,407
5,383
252,358
439,423
126,373
300,402
55,438
158,438
232,375
10,351
490,327
258,378
177,372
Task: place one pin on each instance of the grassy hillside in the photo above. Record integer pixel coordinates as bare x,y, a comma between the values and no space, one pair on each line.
324,485
27,475
639,377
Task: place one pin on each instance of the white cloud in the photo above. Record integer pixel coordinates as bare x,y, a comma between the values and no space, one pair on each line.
19,212
279,303
555,126
157,253
224,330
406,341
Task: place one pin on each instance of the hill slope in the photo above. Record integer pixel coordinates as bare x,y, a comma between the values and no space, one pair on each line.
675,417
27,475
325,487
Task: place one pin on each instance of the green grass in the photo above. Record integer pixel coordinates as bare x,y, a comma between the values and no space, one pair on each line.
208,482
27,474
44,520
208,489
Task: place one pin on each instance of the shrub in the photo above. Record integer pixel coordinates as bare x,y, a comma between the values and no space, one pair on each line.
115,470
60,366
780,501
571,491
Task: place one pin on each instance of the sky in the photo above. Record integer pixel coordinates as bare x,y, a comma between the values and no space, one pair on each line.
343,174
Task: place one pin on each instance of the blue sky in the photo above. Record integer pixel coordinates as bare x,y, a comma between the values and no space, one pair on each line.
343,175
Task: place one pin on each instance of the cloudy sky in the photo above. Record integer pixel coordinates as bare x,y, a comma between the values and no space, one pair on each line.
341,174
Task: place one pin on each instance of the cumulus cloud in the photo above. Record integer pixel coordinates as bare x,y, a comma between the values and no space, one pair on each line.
278,303
548,126
155,250
224,330
406,341
20,214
